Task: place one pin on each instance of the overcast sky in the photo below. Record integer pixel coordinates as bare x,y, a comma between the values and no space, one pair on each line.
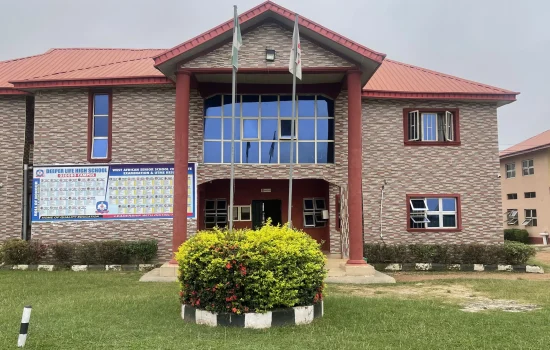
505,43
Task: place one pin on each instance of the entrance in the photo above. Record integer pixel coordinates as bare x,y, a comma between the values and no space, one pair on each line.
262,210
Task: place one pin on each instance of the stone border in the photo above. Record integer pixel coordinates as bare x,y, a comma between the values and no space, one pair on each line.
138,267
458,267
297,315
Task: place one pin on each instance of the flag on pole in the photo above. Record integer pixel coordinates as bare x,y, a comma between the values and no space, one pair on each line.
237,42
296,51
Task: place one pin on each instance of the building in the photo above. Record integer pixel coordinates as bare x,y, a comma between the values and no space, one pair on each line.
525,174
385,150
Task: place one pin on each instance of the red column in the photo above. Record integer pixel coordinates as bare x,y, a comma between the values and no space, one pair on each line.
181,159
355,163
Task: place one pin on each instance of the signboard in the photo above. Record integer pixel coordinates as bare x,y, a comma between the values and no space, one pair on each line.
111,192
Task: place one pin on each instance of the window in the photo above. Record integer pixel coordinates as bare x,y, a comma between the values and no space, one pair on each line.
530,217
530,194
512,196
431,126
512,217
99,127
313,212
433,212
242,213
528,167
215,213
510,170
263,127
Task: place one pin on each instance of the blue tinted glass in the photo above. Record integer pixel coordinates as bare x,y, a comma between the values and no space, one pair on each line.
325,129
285,152
269,152
306,106
100,148
325,107
429,127
213,106
306,152
449,221
285,106
433,204
227,106
251,107
449,204
250,152
306,129
250,128
286,128
212,128
212,151
101,104
101,126
325,152
227,128
269,106
227,152
434,220
269,129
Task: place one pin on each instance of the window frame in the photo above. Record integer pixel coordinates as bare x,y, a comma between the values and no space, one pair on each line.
512,170
528,221
315,211
510,196
419,139
216,212
529,195
456,196
239,213
529,167
511,218
91,94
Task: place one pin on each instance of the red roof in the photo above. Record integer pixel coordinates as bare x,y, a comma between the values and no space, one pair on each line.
534,143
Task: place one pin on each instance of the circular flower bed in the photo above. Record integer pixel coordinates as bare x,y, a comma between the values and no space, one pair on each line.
251,271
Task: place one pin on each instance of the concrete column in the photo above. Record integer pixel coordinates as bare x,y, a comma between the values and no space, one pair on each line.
181,159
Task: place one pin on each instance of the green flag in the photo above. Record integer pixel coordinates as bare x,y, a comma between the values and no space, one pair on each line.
237,41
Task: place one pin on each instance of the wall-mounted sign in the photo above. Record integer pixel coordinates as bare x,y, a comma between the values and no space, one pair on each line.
118,191
265,190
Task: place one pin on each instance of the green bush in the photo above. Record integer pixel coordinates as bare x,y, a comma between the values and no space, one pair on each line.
113,252
513,253
251,270
143,251
17,251
86,253
64,253
518,235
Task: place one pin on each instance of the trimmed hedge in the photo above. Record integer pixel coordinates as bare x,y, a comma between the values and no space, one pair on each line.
17,251
516,234
510,253
251,270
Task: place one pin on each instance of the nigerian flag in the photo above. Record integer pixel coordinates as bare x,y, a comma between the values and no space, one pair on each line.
237,41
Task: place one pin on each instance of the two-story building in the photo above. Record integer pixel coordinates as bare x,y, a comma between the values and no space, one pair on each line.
525,174
135,144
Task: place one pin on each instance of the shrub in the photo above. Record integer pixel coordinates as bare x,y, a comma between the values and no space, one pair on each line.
143,251
64,253
17,251
113,252
513,253
251,270
86,253
518,235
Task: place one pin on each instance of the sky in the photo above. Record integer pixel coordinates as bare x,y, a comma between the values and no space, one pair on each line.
504,43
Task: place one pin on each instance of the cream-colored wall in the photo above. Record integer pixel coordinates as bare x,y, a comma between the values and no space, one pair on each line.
539,183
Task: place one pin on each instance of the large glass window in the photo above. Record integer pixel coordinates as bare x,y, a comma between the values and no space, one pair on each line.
433,213
101,123
263,129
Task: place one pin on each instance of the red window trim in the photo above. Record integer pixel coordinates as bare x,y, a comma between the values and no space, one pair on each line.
91,94
440,195
456,121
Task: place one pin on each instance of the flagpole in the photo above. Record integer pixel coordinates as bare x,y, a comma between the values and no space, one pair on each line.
295,52
232,176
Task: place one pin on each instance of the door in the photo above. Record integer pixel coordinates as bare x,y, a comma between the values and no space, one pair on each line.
262,210
257,214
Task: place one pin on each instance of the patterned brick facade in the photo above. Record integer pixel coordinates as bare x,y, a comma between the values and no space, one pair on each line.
470,170
12,146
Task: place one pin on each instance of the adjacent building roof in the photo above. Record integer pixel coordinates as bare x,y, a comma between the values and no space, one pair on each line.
535,143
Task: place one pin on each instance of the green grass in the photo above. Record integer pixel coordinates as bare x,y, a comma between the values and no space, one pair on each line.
114,311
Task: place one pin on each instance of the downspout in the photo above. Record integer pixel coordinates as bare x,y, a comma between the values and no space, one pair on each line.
25,200
381,209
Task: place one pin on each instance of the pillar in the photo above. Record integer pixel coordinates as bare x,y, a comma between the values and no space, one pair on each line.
181,159
355,163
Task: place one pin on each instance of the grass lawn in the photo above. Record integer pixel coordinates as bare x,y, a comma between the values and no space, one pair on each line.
98,310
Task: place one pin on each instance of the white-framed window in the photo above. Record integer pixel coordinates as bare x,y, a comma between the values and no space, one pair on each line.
313,212
431,126
242,213
438,213
510,170
215,213
512,217
530,217
528,167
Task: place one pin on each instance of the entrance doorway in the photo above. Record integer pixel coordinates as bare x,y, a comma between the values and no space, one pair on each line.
262,210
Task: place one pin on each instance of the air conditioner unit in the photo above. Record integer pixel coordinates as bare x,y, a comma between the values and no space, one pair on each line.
325,214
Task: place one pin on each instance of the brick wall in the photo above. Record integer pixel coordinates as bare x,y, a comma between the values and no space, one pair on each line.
12,146
470,170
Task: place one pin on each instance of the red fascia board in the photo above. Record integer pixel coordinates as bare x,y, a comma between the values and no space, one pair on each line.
438,96
256,11
114,81
8,91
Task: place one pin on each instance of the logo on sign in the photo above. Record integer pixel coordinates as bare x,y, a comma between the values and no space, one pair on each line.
102,207
40,173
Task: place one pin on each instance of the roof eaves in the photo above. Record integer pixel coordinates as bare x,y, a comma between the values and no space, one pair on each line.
439,95
87,82
11,91
505,154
